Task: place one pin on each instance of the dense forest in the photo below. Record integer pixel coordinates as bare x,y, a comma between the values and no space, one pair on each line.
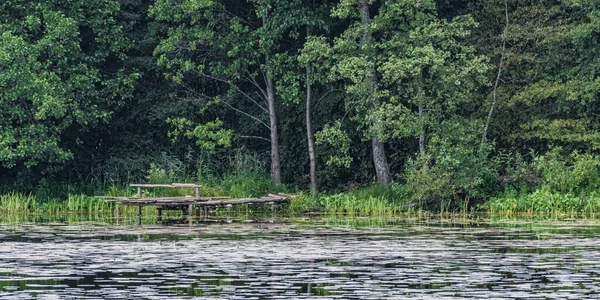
450,99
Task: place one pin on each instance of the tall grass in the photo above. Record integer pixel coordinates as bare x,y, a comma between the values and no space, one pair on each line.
543,201
374,200
20,203
17,202
569,184
249,185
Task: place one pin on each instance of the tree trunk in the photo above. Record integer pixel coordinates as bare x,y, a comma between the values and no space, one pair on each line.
422,134
309,134
495,91
382,169
420,95
275,166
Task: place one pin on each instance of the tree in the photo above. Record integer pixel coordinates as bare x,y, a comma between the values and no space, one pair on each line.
316,57
234,47
426,67
356,55
59,76
548,94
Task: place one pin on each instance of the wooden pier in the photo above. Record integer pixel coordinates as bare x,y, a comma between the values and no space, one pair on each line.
189,204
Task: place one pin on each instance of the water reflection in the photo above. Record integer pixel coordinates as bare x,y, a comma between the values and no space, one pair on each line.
433,259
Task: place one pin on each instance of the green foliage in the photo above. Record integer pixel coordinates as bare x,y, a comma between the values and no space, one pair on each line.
207,136
243,161
338,141
249,185
304,203
317,55
548,92
577,173
16,202
76,118
453,169
569,184
542,201
22,203
159,175
52,76
425,64
373,200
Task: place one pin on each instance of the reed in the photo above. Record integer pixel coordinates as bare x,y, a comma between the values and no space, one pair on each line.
373,200
543,201
17,202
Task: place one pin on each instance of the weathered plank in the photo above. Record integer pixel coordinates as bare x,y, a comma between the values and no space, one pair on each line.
200,201
186,203
154,199
172,185
263,200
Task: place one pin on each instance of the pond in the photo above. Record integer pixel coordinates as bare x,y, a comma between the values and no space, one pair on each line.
389,259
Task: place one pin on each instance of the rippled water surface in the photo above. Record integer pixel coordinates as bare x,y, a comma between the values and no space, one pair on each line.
400,260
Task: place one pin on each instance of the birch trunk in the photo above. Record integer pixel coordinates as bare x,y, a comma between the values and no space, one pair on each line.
382,169
309,134
420,95
270,87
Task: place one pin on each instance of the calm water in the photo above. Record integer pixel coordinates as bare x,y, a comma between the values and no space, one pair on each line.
400,260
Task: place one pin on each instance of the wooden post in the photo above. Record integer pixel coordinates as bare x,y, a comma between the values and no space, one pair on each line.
139,215
159,210
139,194
118,213
247,205
206,212
190,214
197,192
228,210
272,209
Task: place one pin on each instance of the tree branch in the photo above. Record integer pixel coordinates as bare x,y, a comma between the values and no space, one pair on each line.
325,94
255,83
246,114
237,89
495,91
253,137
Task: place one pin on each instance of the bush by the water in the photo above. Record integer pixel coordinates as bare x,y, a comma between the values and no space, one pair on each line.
568,183
372,200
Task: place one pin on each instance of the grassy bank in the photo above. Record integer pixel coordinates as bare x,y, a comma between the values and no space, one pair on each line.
545,198
372,200
542,201
68,200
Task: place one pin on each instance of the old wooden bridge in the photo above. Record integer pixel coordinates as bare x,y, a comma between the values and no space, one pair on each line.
189,205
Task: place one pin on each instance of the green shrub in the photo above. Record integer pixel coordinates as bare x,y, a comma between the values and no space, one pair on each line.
576,173
456,168
249,185
372,200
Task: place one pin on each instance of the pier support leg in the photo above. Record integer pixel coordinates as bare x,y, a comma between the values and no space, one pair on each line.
118,213
272,209
139,215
